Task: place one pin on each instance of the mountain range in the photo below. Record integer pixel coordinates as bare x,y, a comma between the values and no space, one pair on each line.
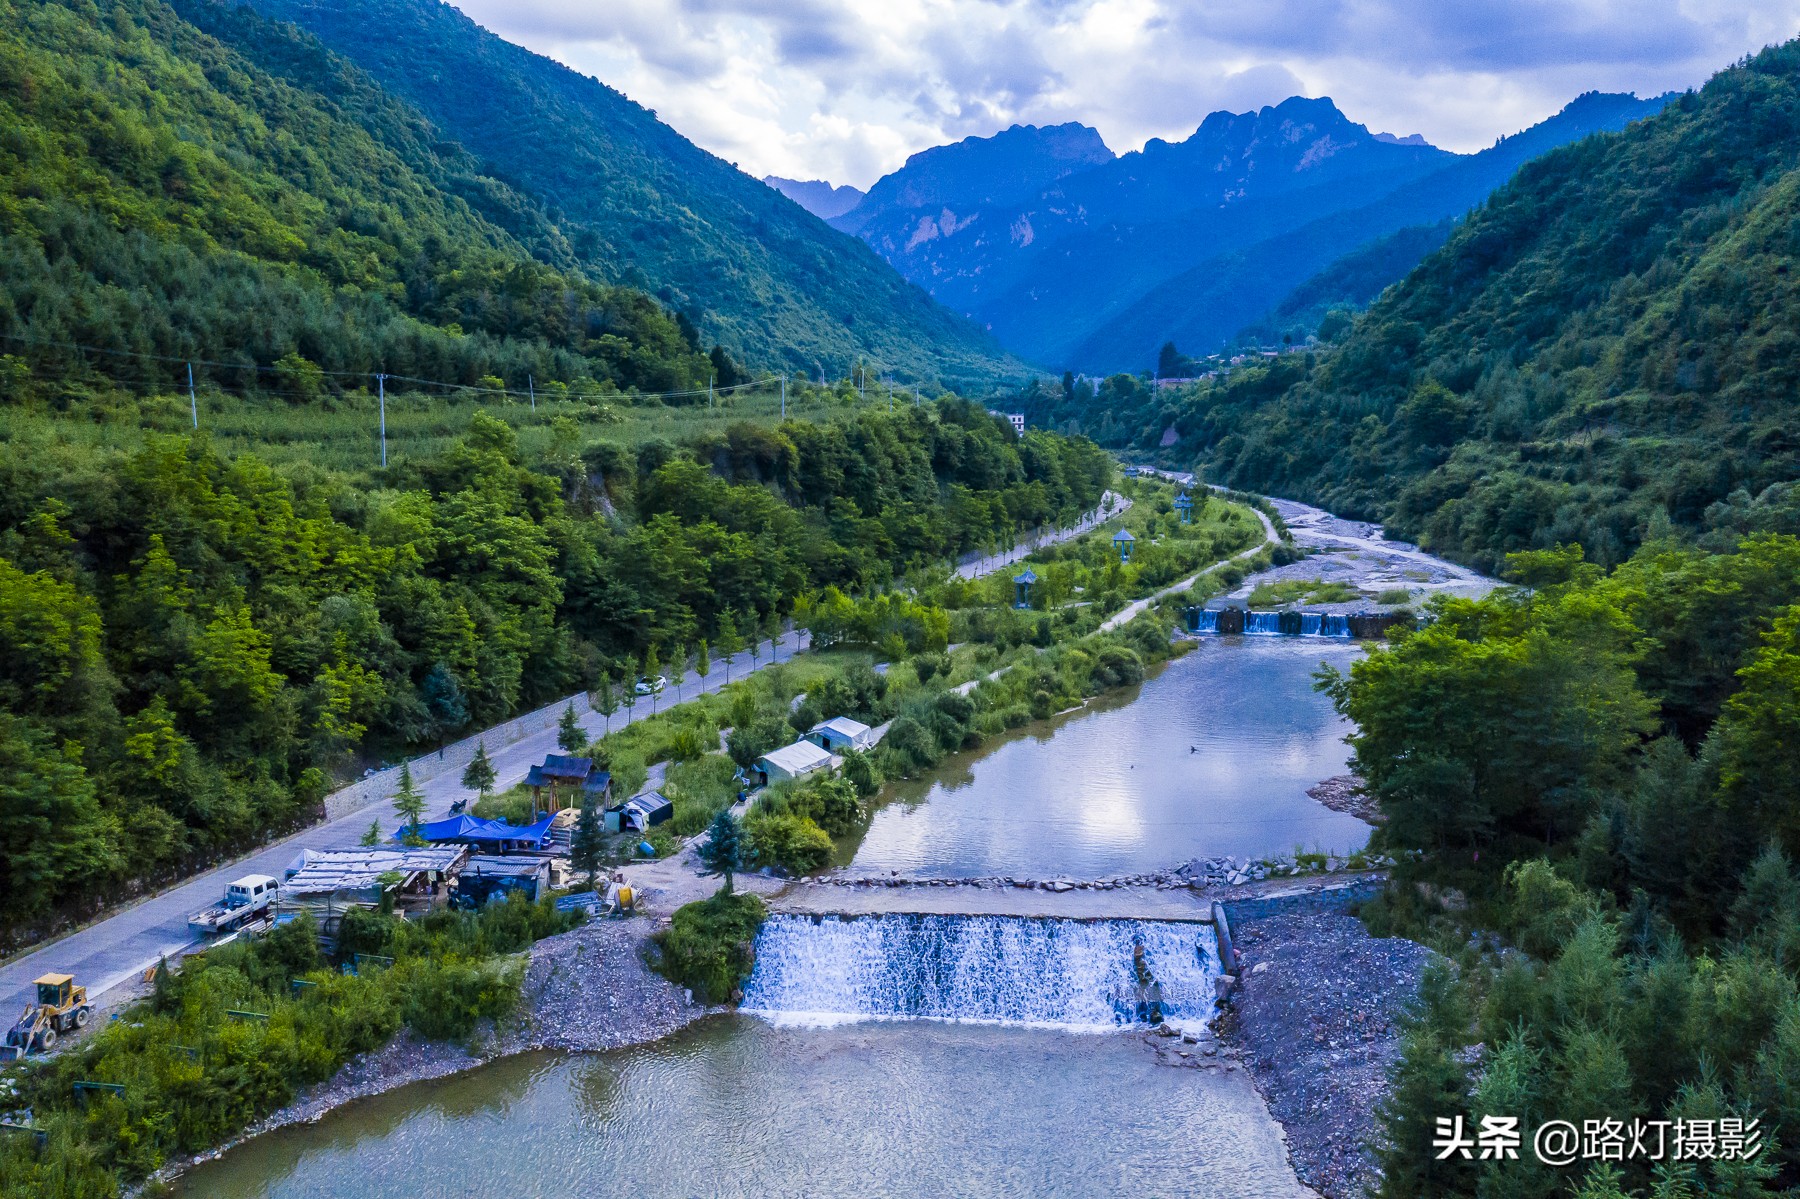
816,195
1077,258
1606,351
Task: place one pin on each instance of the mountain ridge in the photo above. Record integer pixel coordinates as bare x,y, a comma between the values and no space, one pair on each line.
648,208
818,196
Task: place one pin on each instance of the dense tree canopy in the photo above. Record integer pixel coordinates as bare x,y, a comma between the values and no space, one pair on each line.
192,647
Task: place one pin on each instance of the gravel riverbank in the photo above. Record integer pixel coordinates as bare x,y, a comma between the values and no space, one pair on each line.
1316,1017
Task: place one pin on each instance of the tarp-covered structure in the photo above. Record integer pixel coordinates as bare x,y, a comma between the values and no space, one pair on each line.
640,812
494,836
485,878
329,882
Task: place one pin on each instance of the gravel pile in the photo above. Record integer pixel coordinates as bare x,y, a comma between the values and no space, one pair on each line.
590,989
1316,1016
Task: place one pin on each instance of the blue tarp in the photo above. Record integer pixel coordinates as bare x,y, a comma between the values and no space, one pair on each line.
469,830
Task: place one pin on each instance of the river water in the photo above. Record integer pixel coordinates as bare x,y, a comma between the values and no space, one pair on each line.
1211,757
738,1107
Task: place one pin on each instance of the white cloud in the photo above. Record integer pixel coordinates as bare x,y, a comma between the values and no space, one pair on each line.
845,89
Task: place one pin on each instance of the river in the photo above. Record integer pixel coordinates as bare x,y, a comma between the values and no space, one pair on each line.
736,1106
1210,757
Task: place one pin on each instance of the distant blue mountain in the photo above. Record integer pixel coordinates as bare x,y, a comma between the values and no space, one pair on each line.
1092,265
816,195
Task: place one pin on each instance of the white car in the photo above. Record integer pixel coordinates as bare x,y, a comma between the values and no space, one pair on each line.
651,686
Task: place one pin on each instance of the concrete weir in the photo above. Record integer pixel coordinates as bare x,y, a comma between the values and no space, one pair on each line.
947,898
1058,899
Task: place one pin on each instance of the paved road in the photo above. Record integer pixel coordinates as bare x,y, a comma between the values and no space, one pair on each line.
977,567
120,947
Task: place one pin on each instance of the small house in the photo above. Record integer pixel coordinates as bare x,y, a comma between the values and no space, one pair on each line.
484,879
330,882
841,733
640,813
794,761
566,779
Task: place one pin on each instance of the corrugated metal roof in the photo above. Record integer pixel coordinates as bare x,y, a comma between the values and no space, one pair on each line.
318,871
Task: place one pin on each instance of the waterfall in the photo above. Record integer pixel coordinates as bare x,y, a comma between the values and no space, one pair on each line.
1334,626
995,969
1309,624
1262,622
1206,620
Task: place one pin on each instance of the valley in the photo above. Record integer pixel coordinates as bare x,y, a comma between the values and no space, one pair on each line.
550,644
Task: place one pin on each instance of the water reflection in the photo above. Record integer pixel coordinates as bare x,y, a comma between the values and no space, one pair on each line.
1212,756
734,1107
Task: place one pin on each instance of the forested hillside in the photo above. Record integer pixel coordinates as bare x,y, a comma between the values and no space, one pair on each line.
192,647
275,221
1592,786
1610,343
644,206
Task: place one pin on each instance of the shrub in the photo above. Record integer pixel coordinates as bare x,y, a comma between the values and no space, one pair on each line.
710,946
789,842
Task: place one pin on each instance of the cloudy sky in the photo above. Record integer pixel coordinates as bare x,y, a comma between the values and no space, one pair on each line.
846,89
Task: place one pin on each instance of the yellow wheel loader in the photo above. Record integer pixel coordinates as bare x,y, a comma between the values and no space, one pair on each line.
61,1007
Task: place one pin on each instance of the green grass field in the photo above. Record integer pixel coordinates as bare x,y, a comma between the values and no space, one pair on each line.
343,432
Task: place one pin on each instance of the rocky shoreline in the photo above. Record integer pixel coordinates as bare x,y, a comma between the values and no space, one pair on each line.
1344,793
585,990
1316,1016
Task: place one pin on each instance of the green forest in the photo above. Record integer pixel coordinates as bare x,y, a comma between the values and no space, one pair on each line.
195,646
165,200
1599,769
1606,346
639,204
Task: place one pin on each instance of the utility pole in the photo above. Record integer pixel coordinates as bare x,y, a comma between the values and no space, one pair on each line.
193,404
531,390
381,391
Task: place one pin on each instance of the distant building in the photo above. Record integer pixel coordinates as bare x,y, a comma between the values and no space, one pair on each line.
1015,419
841,733
794,761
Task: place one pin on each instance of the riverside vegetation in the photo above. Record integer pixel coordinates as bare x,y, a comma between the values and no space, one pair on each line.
1023,665
1597,769
234,1034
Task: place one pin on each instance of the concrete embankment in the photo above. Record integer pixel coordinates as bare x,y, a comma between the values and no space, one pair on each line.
1168,895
